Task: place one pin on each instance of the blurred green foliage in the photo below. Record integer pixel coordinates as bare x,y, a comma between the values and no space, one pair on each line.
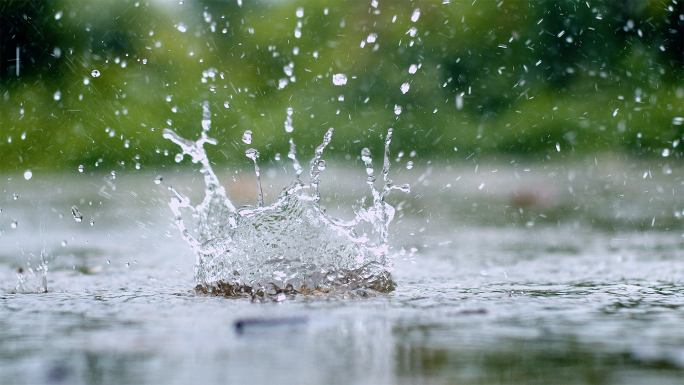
533,78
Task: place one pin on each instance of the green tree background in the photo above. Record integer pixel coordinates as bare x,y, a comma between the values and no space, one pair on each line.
537,79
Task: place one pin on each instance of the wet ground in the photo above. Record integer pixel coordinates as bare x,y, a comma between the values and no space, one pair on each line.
506,273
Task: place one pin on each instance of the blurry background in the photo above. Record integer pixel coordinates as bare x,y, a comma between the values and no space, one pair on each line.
88,84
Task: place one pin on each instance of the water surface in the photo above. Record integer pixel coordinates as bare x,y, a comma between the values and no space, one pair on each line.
506,274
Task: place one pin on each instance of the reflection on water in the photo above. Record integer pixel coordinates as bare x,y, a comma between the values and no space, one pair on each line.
579,296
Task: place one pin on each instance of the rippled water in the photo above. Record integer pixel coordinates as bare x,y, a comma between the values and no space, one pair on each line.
506,274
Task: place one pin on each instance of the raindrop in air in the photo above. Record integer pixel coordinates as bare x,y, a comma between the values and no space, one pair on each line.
77,214
405,88
678,121
64,243
181,27
416,15
158,179
252,154
28,174
178,158
339,79
14,224
57,96
95,74
92,222
459,102
397,109
80,168
289,127
409,165
247,137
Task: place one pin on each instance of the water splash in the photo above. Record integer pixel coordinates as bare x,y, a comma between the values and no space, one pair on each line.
290,246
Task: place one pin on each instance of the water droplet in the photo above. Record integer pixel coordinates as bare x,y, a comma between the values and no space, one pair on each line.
15,196
80,168
300,12
226,104
128,264
92,222
339,79
397,109
416,15
86,81
169,98
57,96
678,121
28,174
64,243
666,152
58,15
321,165
252,154
413,68
247,137
158,179
178,158
288,124
77,214
372,37
409,165
558,147
14,224
459,102
282,83
405,88
182,27
366,154
127,143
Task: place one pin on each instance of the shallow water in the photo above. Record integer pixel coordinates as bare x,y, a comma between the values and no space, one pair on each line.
515,274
